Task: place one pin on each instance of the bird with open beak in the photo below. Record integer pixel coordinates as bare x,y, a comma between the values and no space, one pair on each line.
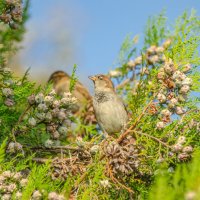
109,108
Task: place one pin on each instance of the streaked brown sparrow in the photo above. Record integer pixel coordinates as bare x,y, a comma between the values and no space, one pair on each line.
61,84
109,109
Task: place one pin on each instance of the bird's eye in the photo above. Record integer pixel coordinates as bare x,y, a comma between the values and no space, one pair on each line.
100,77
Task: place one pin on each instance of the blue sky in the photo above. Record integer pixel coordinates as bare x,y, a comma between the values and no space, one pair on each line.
87,32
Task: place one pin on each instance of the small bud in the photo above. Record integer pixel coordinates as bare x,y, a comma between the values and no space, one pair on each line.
187,81
170,170
67,95
32,122
94,149
31,99
36,195
161,75
9,82
7,92
160,50
40,116
55,135
151,50
105,183
169,68
167,43
163,58
48,116
9,102
6,18
7,70
6,197
48,100
24,182
115,73
187,68
178,75
188,149
177,148
48,143
131,64
42,107
11,187
174,101
55,112
138,60
166,112
7,174
181,140
160,160
179,110
52,93
182,98
18,195
17,176
2,179
18,146
56,104
191,195
160,125
39,98
184,89
52,196
62,130
144,70
61,115
11,147
192,124
153,59
161,98
80,142
183,156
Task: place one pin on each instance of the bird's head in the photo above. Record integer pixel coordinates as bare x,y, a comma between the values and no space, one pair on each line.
58,76
102,82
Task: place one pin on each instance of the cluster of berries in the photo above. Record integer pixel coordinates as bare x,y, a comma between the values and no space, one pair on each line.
52,112
11,185
175,87
12,15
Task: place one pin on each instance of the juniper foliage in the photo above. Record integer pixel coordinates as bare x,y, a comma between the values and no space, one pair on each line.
150,160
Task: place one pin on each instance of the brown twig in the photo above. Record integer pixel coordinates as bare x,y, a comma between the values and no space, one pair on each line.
121,85
181,120
153,138
122,136
83,176
40,160
116,181
19,121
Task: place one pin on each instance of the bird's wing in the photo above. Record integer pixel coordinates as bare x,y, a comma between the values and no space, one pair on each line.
81,89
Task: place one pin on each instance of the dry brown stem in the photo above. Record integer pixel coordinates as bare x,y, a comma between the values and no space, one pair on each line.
115,180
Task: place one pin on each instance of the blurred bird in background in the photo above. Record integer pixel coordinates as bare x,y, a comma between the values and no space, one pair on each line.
109,108
84,108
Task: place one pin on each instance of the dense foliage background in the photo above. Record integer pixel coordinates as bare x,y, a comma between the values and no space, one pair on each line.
48,153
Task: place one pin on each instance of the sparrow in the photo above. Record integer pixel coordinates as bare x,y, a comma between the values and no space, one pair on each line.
109,108
61,83
84,109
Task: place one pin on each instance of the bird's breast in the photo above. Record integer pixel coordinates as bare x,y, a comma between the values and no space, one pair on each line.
111,114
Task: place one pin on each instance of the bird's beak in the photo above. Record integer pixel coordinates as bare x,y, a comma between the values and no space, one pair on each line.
93,78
